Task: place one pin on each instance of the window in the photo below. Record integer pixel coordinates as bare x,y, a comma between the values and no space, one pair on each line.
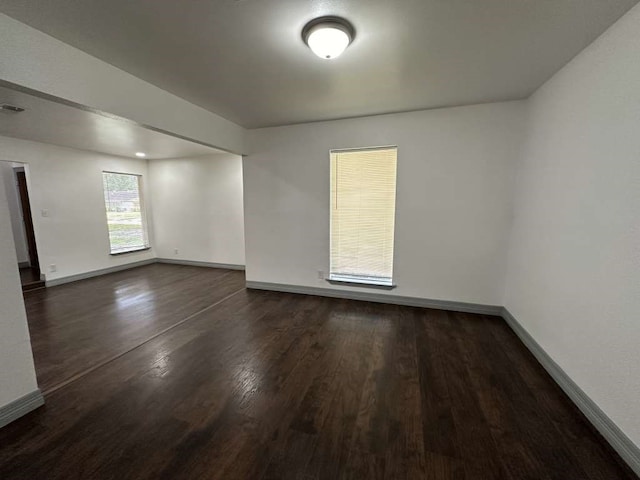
125,213
363,205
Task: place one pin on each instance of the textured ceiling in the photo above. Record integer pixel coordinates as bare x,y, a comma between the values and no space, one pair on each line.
50,122
245,60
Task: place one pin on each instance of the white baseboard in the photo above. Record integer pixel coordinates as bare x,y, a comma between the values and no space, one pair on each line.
20,407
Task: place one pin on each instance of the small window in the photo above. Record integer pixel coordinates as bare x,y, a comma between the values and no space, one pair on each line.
363,205
125,212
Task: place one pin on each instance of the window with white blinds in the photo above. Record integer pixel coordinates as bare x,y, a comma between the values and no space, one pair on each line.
363,205
125,215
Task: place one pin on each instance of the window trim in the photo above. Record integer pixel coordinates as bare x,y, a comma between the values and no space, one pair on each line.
143,215
362,149
133,250
335,279
365,284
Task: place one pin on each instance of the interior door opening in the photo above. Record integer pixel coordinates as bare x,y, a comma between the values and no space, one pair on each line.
17,191
29,276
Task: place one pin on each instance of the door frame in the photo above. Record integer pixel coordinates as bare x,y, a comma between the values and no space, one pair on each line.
27,217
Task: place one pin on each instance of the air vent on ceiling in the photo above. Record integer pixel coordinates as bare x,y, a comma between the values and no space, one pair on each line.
8,108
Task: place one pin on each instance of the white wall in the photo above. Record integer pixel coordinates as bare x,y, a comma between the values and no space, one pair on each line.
40,62
8,176
455,174
17,374
574,270
198,208
67,183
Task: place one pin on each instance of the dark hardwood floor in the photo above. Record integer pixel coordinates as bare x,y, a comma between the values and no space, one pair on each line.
265,385
77,326
30,279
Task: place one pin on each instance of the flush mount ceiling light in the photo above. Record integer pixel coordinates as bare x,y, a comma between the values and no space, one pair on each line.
328,37
141,154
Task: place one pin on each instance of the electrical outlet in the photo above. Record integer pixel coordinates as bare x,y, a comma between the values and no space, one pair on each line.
176,251
320,275
53,267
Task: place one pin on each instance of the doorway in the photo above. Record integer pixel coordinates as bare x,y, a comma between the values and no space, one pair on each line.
17,191
29,276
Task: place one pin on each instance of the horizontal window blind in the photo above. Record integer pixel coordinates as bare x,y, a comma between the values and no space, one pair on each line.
125,219
363,204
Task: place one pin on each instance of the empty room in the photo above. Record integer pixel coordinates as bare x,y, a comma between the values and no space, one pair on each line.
309,239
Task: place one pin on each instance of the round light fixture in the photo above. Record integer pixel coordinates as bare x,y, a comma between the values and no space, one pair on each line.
141,154
328,37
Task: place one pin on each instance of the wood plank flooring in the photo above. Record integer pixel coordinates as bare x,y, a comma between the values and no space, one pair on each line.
79,325
30,279
266,385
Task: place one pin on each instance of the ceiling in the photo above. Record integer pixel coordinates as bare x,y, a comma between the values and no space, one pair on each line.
245,60
50,122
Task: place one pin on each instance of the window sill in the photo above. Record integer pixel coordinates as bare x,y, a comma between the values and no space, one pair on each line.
353,283
134,250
